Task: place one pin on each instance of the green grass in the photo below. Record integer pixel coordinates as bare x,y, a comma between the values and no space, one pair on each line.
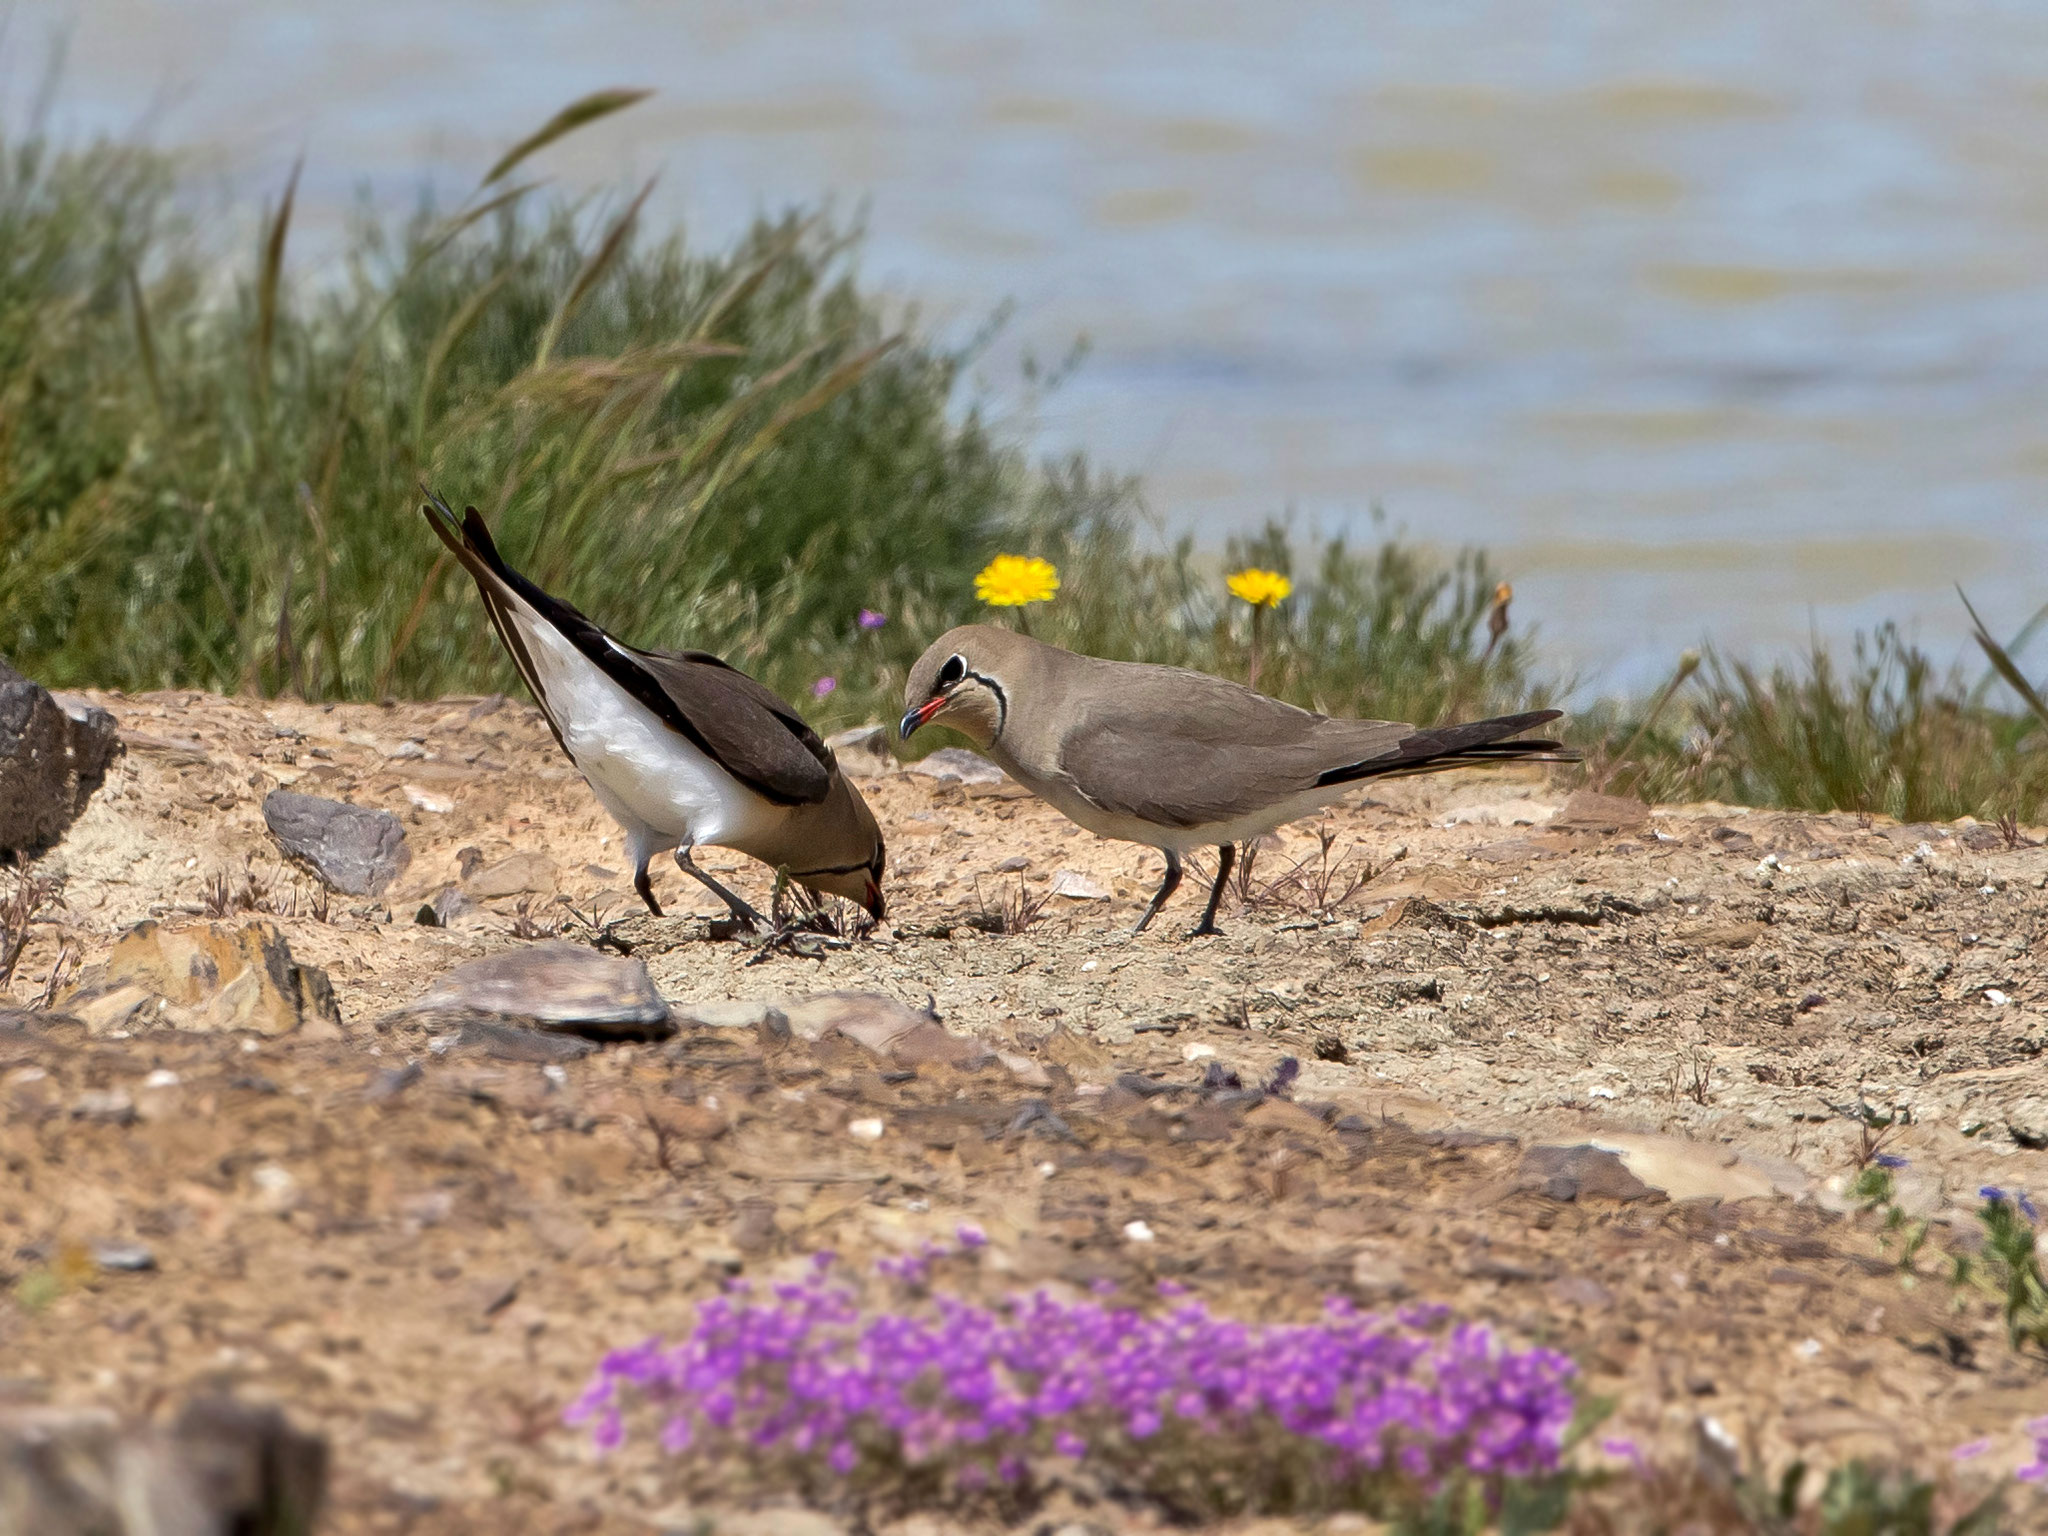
1885,732
209,471
213,482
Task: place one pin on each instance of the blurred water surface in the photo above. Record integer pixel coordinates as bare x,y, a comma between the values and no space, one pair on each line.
1713,317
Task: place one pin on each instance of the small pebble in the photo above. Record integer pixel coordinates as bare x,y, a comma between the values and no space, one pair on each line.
1995,998
1088,965
864,1130
162,1077
1196,1052
132,1257
1137,1232
107,1104
1807,1349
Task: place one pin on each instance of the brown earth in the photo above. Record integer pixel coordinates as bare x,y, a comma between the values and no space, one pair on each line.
424,1265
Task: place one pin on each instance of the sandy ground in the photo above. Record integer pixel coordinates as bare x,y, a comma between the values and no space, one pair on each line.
426,1268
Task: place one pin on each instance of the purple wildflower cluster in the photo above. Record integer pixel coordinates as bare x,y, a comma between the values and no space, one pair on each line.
1003,1395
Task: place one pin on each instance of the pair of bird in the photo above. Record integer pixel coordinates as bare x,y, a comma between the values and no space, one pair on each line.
683,749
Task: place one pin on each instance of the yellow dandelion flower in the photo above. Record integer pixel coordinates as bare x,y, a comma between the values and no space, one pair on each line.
1011,581
1262,589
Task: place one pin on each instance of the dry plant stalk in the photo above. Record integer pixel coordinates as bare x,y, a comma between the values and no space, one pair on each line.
1315,885
31,897
1016,909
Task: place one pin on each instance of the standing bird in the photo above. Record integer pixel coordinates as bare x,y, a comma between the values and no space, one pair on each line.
1171,758
681,748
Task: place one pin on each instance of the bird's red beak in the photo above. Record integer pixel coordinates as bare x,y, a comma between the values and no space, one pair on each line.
914,718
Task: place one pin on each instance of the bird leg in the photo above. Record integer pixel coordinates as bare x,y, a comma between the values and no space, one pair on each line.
1226,856
1166,888
645,886
734,903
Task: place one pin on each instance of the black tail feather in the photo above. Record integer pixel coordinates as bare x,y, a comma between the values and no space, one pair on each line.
1475,741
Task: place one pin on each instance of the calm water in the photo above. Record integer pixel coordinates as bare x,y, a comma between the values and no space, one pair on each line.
1718,317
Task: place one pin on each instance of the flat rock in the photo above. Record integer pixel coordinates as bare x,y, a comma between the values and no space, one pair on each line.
1702,1170
1078,886
555,986
727,1013
863,752
206,977
1582,1172
893,1030
958,763
518,874
1586,810
509,1042
909,1037
52,759
353,848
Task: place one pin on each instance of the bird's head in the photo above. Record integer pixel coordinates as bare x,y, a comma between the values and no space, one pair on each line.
862,886
963,680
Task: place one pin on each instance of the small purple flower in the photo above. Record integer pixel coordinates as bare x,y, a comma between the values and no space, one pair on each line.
1991,1192
1623,1449
1972,1449
2027,1208
1889,1160
823,686
971,1236
869,619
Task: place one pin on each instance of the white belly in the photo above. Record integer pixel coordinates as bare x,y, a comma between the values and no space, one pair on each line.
658,785
1130,829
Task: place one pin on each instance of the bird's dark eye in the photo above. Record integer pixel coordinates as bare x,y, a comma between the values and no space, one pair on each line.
951,673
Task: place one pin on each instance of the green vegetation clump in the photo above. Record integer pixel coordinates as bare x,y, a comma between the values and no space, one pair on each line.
210,468
214,483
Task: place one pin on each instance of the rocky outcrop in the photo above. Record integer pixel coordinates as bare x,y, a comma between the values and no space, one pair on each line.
52,758
207,977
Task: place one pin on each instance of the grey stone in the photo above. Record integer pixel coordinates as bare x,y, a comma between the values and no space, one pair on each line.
353,848
132,1257
555,986
221,1467
52,759
958,763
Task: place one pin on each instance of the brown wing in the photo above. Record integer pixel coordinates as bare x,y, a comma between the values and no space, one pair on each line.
746,727
743,727
1181,749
